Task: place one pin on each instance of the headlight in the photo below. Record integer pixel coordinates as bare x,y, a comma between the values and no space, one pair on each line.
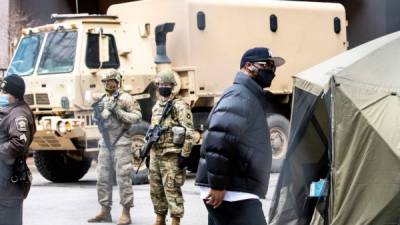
78,123
68,126
46,124
61,127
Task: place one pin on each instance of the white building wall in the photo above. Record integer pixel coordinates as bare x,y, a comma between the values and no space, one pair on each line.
4,43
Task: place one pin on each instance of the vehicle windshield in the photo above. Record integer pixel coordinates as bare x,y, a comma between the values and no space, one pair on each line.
58,53
24,61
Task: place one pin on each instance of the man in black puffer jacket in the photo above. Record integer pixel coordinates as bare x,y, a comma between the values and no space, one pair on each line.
234,167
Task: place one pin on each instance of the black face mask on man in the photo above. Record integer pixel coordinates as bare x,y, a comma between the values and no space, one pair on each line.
264,77
165,91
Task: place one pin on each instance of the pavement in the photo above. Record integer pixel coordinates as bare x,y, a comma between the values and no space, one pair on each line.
73,203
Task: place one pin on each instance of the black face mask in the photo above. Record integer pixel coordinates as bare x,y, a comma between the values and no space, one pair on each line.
165,91
264,77
111,87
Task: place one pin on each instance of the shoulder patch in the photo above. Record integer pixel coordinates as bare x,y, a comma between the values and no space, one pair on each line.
22,123
125,96
181,104
126,99
23,138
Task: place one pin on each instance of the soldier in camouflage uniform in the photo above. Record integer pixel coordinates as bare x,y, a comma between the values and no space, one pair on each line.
168,159
119,111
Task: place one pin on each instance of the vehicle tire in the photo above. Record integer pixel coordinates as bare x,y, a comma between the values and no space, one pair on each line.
60,166
279,136
138,132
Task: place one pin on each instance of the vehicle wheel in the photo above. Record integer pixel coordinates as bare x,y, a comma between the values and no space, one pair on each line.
138,133
61,166
279,136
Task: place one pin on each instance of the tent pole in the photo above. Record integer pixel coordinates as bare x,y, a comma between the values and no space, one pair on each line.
332,169
76,6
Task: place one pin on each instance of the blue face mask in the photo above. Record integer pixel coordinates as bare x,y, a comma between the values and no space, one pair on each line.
4,102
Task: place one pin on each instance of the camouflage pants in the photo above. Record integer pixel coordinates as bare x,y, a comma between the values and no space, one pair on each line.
119,162
166,180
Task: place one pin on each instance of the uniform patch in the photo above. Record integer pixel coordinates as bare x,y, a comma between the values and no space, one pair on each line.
23,138
22,123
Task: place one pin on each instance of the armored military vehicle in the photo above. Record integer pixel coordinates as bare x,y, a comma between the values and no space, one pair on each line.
201,40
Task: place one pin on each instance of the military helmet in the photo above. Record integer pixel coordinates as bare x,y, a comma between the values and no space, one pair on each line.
166,76
111,74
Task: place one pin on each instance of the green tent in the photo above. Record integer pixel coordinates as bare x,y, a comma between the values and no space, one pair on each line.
345,128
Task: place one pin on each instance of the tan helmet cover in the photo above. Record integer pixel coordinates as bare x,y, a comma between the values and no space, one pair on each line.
111,74
166,76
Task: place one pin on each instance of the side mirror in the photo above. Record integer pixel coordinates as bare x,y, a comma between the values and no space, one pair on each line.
104,55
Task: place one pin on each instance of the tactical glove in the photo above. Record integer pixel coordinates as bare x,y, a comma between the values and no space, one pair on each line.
110,106
100,106
105,114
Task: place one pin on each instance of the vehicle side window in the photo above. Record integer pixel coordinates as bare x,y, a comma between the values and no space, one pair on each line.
92,52
26,55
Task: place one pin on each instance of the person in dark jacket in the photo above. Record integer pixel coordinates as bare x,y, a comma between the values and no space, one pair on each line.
17,128
234,167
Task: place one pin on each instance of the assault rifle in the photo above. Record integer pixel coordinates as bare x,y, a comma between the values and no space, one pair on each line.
97,108
154,134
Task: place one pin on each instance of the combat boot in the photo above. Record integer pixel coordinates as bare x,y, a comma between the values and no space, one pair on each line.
176,221
103,216
160,220
125,217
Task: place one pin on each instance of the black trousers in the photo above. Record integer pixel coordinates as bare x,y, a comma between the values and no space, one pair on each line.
11,211
245,212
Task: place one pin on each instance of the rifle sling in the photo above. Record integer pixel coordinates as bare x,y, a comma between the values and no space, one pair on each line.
122,132
166,111
164,115
118,137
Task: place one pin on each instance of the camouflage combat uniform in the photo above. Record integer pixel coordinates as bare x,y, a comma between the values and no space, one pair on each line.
165,177
126,112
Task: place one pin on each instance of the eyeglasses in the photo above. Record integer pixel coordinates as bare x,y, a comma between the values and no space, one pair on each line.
268,65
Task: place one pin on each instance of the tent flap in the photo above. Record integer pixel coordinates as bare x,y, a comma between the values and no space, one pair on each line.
345,125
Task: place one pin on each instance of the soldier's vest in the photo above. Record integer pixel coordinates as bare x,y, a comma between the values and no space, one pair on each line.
165,143
114,125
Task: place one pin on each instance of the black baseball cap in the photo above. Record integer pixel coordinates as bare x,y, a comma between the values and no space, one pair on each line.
260,54
14,85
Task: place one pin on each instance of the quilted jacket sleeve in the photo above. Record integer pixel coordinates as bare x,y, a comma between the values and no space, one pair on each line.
226,124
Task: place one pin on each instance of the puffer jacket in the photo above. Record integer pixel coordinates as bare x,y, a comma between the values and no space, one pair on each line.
236,152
